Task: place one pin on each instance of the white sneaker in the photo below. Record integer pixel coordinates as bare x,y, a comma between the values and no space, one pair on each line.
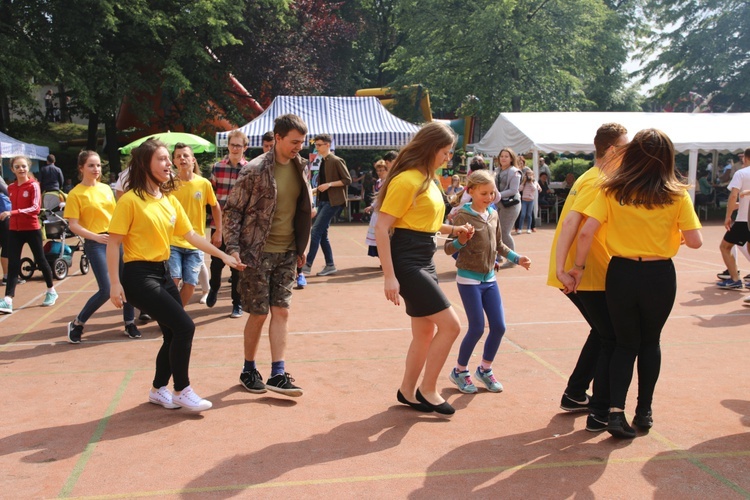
203,298
746,301
162,397
189,400
528,231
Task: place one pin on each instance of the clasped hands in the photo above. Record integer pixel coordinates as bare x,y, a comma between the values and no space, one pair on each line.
570,279
463,233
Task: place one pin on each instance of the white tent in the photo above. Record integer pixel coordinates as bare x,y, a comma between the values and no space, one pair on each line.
574,132
354,122
13,147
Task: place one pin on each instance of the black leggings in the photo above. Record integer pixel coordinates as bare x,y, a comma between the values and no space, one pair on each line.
217,265
640,296
149,287
16,241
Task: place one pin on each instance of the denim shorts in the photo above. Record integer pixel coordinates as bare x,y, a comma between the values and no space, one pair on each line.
185,264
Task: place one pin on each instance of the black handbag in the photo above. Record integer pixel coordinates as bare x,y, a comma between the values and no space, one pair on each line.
509,202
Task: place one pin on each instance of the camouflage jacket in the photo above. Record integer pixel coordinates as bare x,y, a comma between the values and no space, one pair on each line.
248,211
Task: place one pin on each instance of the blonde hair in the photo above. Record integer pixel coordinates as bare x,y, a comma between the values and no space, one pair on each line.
479,178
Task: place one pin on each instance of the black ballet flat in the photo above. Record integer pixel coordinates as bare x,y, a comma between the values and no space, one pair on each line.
443,408
417,406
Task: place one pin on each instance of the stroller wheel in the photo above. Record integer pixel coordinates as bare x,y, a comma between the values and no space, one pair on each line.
84,265
60,268
27,268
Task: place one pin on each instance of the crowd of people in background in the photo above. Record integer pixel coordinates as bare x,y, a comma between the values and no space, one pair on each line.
145,238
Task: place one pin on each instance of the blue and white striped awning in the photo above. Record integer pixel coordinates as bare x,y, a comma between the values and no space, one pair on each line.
354,122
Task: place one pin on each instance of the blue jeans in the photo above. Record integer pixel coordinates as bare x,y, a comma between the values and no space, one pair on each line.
97,254
185,264
478,300
319,233
527,212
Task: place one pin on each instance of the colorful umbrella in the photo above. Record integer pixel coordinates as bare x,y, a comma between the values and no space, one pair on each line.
199,144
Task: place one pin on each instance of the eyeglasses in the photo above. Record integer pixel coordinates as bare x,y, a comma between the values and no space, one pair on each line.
320,144
236,146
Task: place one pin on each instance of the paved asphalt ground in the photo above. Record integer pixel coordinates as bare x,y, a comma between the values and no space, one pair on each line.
76,421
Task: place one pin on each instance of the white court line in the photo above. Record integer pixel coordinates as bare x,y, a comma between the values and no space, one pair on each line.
365,330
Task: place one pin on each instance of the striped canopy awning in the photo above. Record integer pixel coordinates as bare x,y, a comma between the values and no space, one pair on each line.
354,122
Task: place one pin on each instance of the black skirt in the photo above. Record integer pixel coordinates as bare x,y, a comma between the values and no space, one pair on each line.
412,252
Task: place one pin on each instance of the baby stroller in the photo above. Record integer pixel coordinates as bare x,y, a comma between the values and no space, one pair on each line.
56,251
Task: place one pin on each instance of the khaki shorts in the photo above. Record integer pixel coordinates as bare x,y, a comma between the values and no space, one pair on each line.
270,284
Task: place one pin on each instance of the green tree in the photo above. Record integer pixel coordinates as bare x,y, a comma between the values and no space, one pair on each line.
702,47
292,48
19,64
518,55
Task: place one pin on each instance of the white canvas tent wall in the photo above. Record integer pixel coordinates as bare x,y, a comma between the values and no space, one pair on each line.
10,147
574,132
354,122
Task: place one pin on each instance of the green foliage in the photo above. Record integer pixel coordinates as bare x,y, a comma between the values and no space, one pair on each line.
521,55
563,166
702,48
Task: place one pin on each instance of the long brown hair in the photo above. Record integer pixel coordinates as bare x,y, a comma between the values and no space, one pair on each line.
140,169
646,174
419,155
83,157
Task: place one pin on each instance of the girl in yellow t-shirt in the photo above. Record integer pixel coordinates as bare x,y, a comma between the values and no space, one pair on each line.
145,219
648,214
89,209
411,204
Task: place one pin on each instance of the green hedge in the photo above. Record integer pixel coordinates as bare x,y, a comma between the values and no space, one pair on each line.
562,166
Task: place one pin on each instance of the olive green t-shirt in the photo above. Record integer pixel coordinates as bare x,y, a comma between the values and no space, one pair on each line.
288,189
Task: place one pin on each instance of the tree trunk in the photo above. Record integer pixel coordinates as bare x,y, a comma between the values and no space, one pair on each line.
62,97
4,113
515,103
110,144
91,132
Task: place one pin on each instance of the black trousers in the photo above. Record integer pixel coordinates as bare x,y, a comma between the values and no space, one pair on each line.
149,287
16,241
640,296
217,266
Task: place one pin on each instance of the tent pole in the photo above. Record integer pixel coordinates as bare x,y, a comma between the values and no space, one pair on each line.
692,171
535,168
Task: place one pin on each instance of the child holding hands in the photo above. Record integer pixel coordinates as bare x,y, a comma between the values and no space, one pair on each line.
476,280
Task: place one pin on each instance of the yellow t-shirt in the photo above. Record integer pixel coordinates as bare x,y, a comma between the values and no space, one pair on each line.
93,206
581,195
425,213
148,225
194,195
634,231
288,189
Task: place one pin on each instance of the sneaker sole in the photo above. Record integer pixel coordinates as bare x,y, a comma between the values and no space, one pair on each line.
168,406
195,409
295,393
5,311
570,409
254,391
596,429
327,274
